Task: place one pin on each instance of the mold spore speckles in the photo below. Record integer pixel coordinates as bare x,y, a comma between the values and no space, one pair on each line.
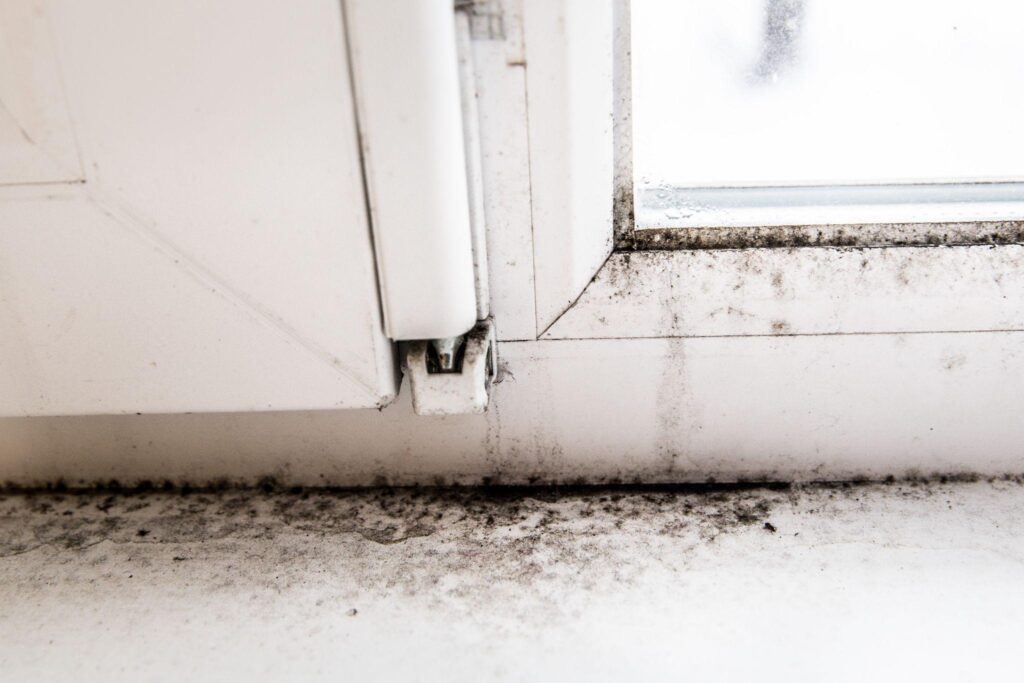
460,547
871,235
463,549
384,516
285,583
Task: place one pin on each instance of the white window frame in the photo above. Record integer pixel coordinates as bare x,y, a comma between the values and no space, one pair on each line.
596,277
165,249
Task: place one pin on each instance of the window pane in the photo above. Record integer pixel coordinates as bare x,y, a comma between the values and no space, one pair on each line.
740,93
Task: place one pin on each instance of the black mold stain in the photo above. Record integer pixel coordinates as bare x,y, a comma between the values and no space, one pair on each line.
459,546
386,516
868,235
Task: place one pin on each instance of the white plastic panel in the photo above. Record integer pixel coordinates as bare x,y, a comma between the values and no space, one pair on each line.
406,72
36,140
646,410
569,69
500,68
812,290
218,255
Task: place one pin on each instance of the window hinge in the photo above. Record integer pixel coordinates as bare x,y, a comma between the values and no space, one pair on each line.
453,376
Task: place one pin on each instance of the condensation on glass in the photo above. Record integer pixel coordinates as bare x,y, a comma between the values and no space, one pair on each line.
861,109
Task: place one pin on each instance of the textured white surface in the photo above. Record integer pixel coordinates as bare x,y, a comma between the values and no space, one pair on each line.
880,582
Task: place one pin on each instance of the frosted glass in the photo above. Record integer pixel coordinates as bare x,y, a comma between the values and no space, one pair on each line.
827,92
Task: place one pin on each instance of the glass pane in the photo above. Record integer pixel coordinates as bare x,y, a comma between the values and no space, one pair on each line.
734,93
